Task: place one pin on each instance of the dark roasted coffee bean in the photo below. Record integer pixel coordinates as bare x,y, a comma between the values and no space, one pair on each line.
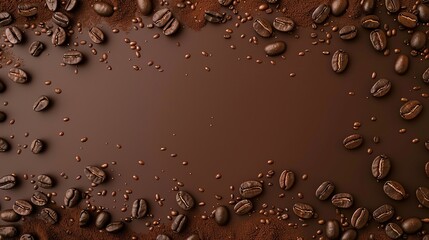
339,61
407,19
321,13
262,27
393,230
286,179
221,215
378,39
394,190
139,208
171,27
196,237
72,197
225,3
115,227
422,195
360,218
410,109
96,35
370,22
392,5
283,24
342,200
27,237
349,234
13,35
94,174
27,9
411,225
179,223
18,75
8,215
8,231
41,104
84,218
162,237
36,48
276,48
242,207
22,207
72,57
103,9
368,6
250,189
4,145
381,88
58,36
185,200
418,40
7,182
213,17
303,210
161,17
401,64
332,229
380,167
37,146
39,198
61,19
2,86
5,19
353,141
49,216
52,5
427,164
338,7
69,5
423,13
325,190
348,32
102,219
145,6
44,181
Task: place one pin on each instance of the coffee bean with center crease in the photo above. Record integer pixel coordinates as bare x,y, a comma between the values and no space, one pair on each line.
5,19
339,61
338,7
18,75
422,194
72,57
276,48
58,36
321,13
13,35
171,27
22,207
139,208
185,200
45,181
381,88
250,189
8,215
213,17
349,234
145,6
27,237
378,39
161,17
179,223
103,9
368,6
425,76
39,198
27,9
41,104
52,5
37,146
407,19
401,64
84,218
7,182
303,210
96,35
69,5
283,24
411,225
162,237
102,219
95,174
427,147
370,22
410,109
262,27
325,190
342,200
423,13
242,207
49,216
380,167
36,48
418,40
332,229
225,3
8,231
383,213
353,141
286,179
348,32
394,190
72,197
392,5
360,218
4,145
221,215
393,231
61,19
115,227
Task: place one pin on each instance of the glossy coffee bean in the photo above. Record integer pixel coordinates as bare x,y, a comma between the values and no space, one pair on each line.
407,19
72,57
283,24
349,234
179,223
378,39
103,9
102,219
342,200
7,182
401,64
185,200
4,145
427,165
423,13
52,5
72,197
115,227
145,6
394,190
353,141
425,76
340,61
221,215
59,36
422,194
14,35
393,231
69,5
338,7
332,229
84,218
381,88
39,198
262,27
325,190
368,6
418,40
36,48
243,207
410,109
8,215
22,207
96,35
37,146
139,208
250,189
392,6
276,48
8,231
94,174
370,22
411,225
321,13
383,213
213,17
5,19
360,218
380,167
49,216
41,104
171,27
287,179
45,181
303,210
161,17
61,19
27,9
348,32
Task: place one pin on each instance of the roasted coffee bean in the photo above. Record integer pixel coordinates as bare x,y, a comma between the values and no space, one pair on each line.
5,19
303,210
52,5
162,237
394,190
58,36
8,231
378,39
242,207
44,181
95,174
380,167
8,215
393,230
4,145
22,207
2,86
407,19
49,216
225,3
72,197
72,57
145,6
139,208
411,225
370,22
250,189
27,9
171,27
84,218
410,109
427,166
13,35
27,237
348,32
339,61
7,182
342,200
102,219
262,27
353,141
422,195
69,5
213,17
179,223
392,5
36,48
103,9
37,146
39,198
196,237
332,229
401,64
381,88
423,13
61,19
349,234
418,40
18,75
115,227
185,200
325,190
96,35
41,104
360,218
3,116
221,215
286,179
276,48
368,6
338,7
283,24
161,17
321,13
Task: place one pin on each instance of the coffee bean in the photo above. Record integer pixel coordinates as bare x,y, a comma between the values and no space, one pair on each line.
353,141
27,237
185,200
72,197
349,234
407,19
250,189
161,17
58,36
425,76
401,64
321,13
360,218
37,146
4,145
36,48
84,218
339,61
348,32
418,40
13,35
61,19
213,17
378,39
41,104
283,24
39,198
96,35
225,3
72,57
103,9
18,75
427,168
5,19
338,7
332,229
393,230
69,5
221,215
423,13
411,225
427,144
162,237
370,22
410,109
22,207
286,179
102,219
179,223
242,207
276,48
8,231
49,216
139,208
303,210
381,88
262,27
422,195
115,227
27,9
95,174
2,86
3,116
368,6
394,190
392,5
145,6
8,215
44,181
195,237
52,5
380,167
7,182
342,200
171,27
325,190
